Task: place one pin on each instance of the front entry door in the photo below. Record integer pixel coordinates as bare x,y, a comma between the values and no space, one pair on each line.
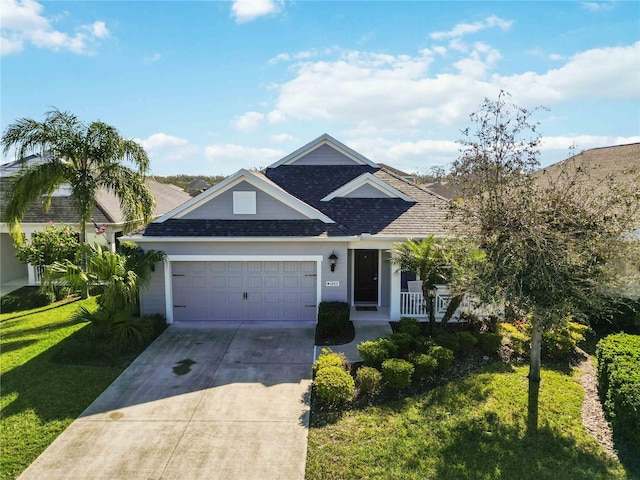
365,287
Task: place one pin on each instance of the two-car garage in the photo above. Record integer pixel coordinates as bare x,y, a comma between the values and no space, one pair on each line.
250,288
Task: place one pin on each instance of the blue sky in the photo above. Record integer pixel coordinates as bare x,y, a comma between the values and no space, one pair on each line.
211,87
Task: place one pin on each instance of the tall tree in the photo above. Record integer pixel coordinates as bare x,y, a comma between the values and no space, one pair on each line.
550,245
87,158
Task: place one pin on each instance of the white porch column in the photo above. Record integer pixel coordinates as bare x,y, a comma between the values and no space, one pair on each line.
31,272
394,306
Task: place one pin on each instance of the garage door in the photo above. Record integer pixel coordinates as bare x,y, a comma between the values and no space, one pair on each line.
244,291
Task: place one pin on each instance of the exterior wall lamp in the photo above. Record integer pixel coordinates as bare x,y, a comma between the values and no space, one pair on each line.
333,259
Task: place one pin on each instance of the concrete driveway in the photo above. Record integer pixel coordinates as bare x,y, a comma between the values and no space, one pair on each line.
199,403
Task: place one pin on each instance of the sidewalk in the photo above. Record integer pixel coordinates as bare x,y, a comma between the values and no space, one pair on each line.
365,330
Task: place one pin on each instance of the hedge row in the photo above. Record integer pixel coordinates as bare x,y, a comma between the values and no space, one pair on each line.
619,383
333,318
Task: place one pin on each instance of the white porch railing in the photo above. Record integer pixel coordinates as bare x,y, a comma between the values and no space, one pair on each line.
413,304
35,273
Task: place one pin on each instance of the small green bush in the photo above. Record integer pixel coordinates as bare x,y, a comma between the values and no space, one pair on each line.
466,341
404,343
447,340
334,386
328,358
425,366
368,381
520,342
410,326
374,353
489,343
26,298
443,356
123,331
619,381
423,344
562,339
333,318
397,373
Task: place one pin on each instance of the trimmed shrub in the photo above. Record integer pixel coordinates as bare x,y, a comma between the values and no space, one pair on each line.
423,344
397,373
443,356
619,381
374,353
410,326
447,340
329,358
520,342
333,318
466,341
489,343
334,386
26,298
368,381
562,339
404,343
425,366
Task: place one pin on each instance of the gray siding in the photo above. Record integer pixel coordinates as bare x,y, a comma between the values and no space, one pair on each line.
267,207
152,299
11,268
367,191
385,279
325,155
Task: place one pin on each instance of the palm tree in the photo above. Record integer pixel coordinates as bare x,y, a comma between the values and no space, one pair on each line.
122,276
87,157
427,259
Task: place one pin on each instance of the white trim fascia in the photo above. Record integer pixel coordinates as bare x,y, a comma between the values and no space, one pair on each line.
367,179
324,139
238,177
168,277
233,239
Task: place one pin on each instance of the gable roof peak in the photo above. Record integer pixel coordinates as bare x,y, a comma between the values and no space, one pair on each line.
325,139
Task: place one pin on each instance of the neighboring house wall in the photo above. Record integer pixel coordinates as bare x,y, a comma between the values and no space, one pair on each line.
154,295
267,207
324,155
10,268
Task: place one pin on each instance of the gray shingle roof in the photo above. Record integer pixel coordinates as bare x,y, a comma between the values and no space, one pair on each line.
178,227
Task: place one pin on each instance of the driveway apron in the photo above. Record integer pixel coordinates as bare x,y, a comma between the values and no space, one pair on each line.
199,403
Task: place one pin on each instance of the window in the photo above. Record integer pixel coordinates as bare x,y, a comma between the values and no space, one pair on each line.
244,203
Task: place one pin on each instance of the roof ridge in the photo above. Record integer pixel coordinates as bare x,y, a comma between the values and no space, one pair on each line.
413,184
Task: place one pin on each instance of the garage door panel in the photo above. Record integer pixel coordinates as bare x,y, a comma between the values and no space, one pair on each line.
215,291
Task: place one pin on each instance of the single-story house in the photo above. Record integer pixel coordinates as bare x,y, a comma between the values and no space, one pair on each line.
107,215
315,226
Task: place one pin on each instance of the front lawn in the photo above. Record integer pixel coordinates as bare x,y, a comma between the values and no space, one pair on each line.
40,398
471,428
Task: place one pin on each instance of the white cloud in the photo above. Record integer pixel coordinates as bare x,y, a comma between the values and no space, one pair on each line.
248,121
248,10
235,157
597,6
23,22
556,57
302,55
149,59
158,141
282,138
463,29
397,94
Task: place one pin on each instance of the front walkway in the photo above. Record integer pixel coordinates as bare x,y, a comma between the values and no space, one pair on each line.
365,330
199,403
11,285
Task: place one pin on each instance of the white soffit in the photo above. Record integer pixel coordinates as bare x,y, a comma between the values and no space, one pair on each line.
262,184
367,179
324,139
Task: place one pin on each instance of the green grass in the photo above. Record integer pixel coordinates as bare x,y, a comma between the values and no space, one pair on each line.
471,428
40,398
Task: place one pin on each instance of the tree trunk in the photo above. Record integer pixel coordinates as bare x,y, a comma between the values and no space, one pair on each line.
82,232
534,378
454,303
430,308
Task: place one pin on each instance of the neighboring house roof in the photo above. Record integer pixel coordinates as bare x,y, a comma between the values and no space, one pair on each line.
395,171
617,162
345,196
107,209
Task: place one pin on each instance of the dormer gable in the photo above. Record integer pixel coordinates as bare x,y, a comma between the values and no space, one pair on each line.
324,150
245,196
367,185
